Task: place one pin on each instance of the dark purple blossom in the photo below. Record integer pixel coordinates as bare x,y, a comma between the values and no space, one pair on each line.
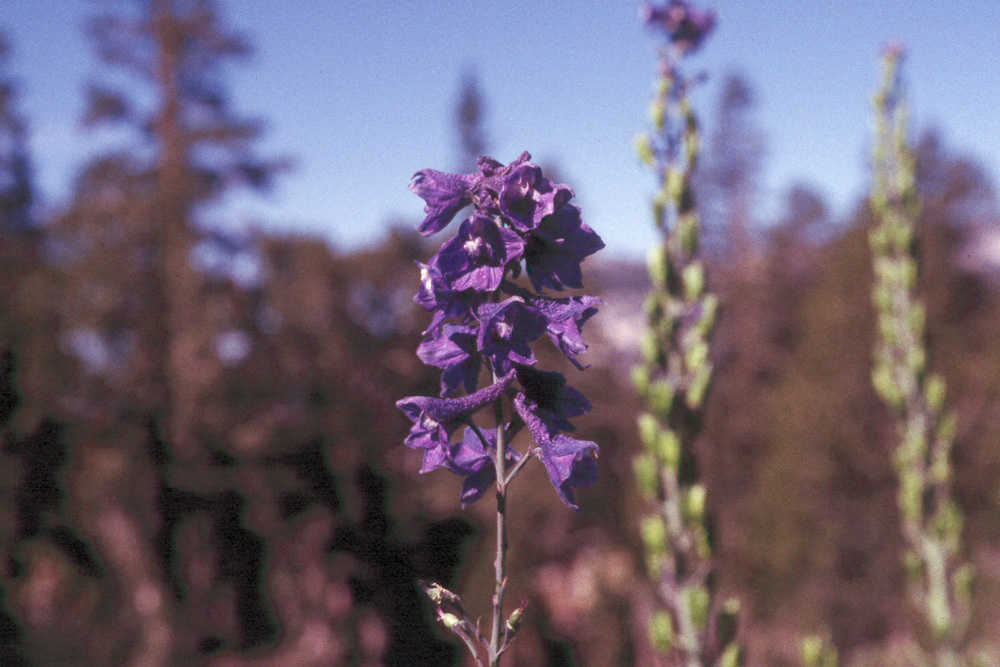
557,247
477,257
445,194
506,330
436,419
570,463
686,26
441,299
453,349
549,399
527,197
470,458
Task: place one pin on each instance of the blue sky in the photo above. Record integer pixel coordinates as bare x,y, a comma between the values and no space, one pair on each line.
361,94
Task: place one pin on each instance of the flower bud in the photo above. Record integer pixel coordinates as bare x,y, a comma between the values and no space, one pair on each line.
661,631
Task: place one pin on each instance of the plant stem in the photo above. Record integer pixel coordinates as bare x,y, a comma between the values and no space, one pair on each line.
496,638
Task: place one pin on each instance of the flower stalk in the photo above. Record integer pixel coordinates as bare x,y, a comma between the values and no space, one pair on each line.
692,627
939,580
483,318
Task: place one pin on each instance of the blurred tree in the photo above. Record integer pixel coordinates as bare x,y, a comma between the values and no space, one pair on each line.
469,114
16,189
730,179
176,49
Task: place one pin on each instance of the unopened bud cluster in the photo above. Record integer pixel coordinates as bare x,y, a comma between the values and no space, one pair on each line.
690,626
931,521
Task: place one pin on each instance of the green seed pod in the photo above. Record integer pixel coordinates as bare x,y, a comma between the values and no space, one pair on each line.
687,231
696,355
658,263
651,350
658,114
693,278
668,449
699,386
645,150
674,185
661,631
649,429
654,536
694,504
934,391
730,657
697,600
661,399
640,379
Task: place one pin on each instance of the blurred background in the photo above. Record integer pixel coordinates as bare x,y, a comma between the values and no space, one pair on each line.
206,273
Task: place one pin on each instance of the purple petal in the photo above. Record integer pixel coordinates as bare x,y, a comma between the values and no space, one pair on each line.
556,249
445,194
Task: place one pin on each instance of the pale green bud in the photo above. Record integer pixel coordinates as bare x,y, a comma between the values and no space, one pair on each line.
658,263
654,536
697,601
661,398
649,430
730,657
658,114
640,379
668,448
699,386
661,631
696,355
693,277
651,350
644,149
694,505
934,391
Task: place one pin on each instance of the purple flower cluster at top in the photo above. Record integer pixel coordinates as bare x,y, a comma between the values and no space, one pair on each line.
686,26
481,319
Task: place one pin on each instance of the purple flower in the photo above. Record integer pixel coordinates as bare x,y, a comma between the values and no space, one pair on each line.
556,249
436,419
445,194
453,349
436,295
547,397
505,331
564,318
526,197
477,257
569,462
470,458
686,26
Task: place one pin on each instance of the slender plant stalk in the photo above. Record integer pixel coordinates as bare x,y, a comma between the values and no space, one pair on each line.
939,582
496,637
692,627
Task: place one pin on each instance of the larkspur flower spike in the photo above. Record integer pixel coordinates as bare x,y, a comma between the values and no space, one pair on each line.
484,319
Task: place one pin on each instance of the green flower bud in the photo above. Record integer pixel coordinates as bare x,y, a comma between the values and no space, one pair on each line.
696,355
652,352
687,231
697,600
658,114
730,657
699,386
674,185
661,399
649,430
661,631
658,263
668,449
654,536
640,379
693,278
694,504
934,391
644,149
